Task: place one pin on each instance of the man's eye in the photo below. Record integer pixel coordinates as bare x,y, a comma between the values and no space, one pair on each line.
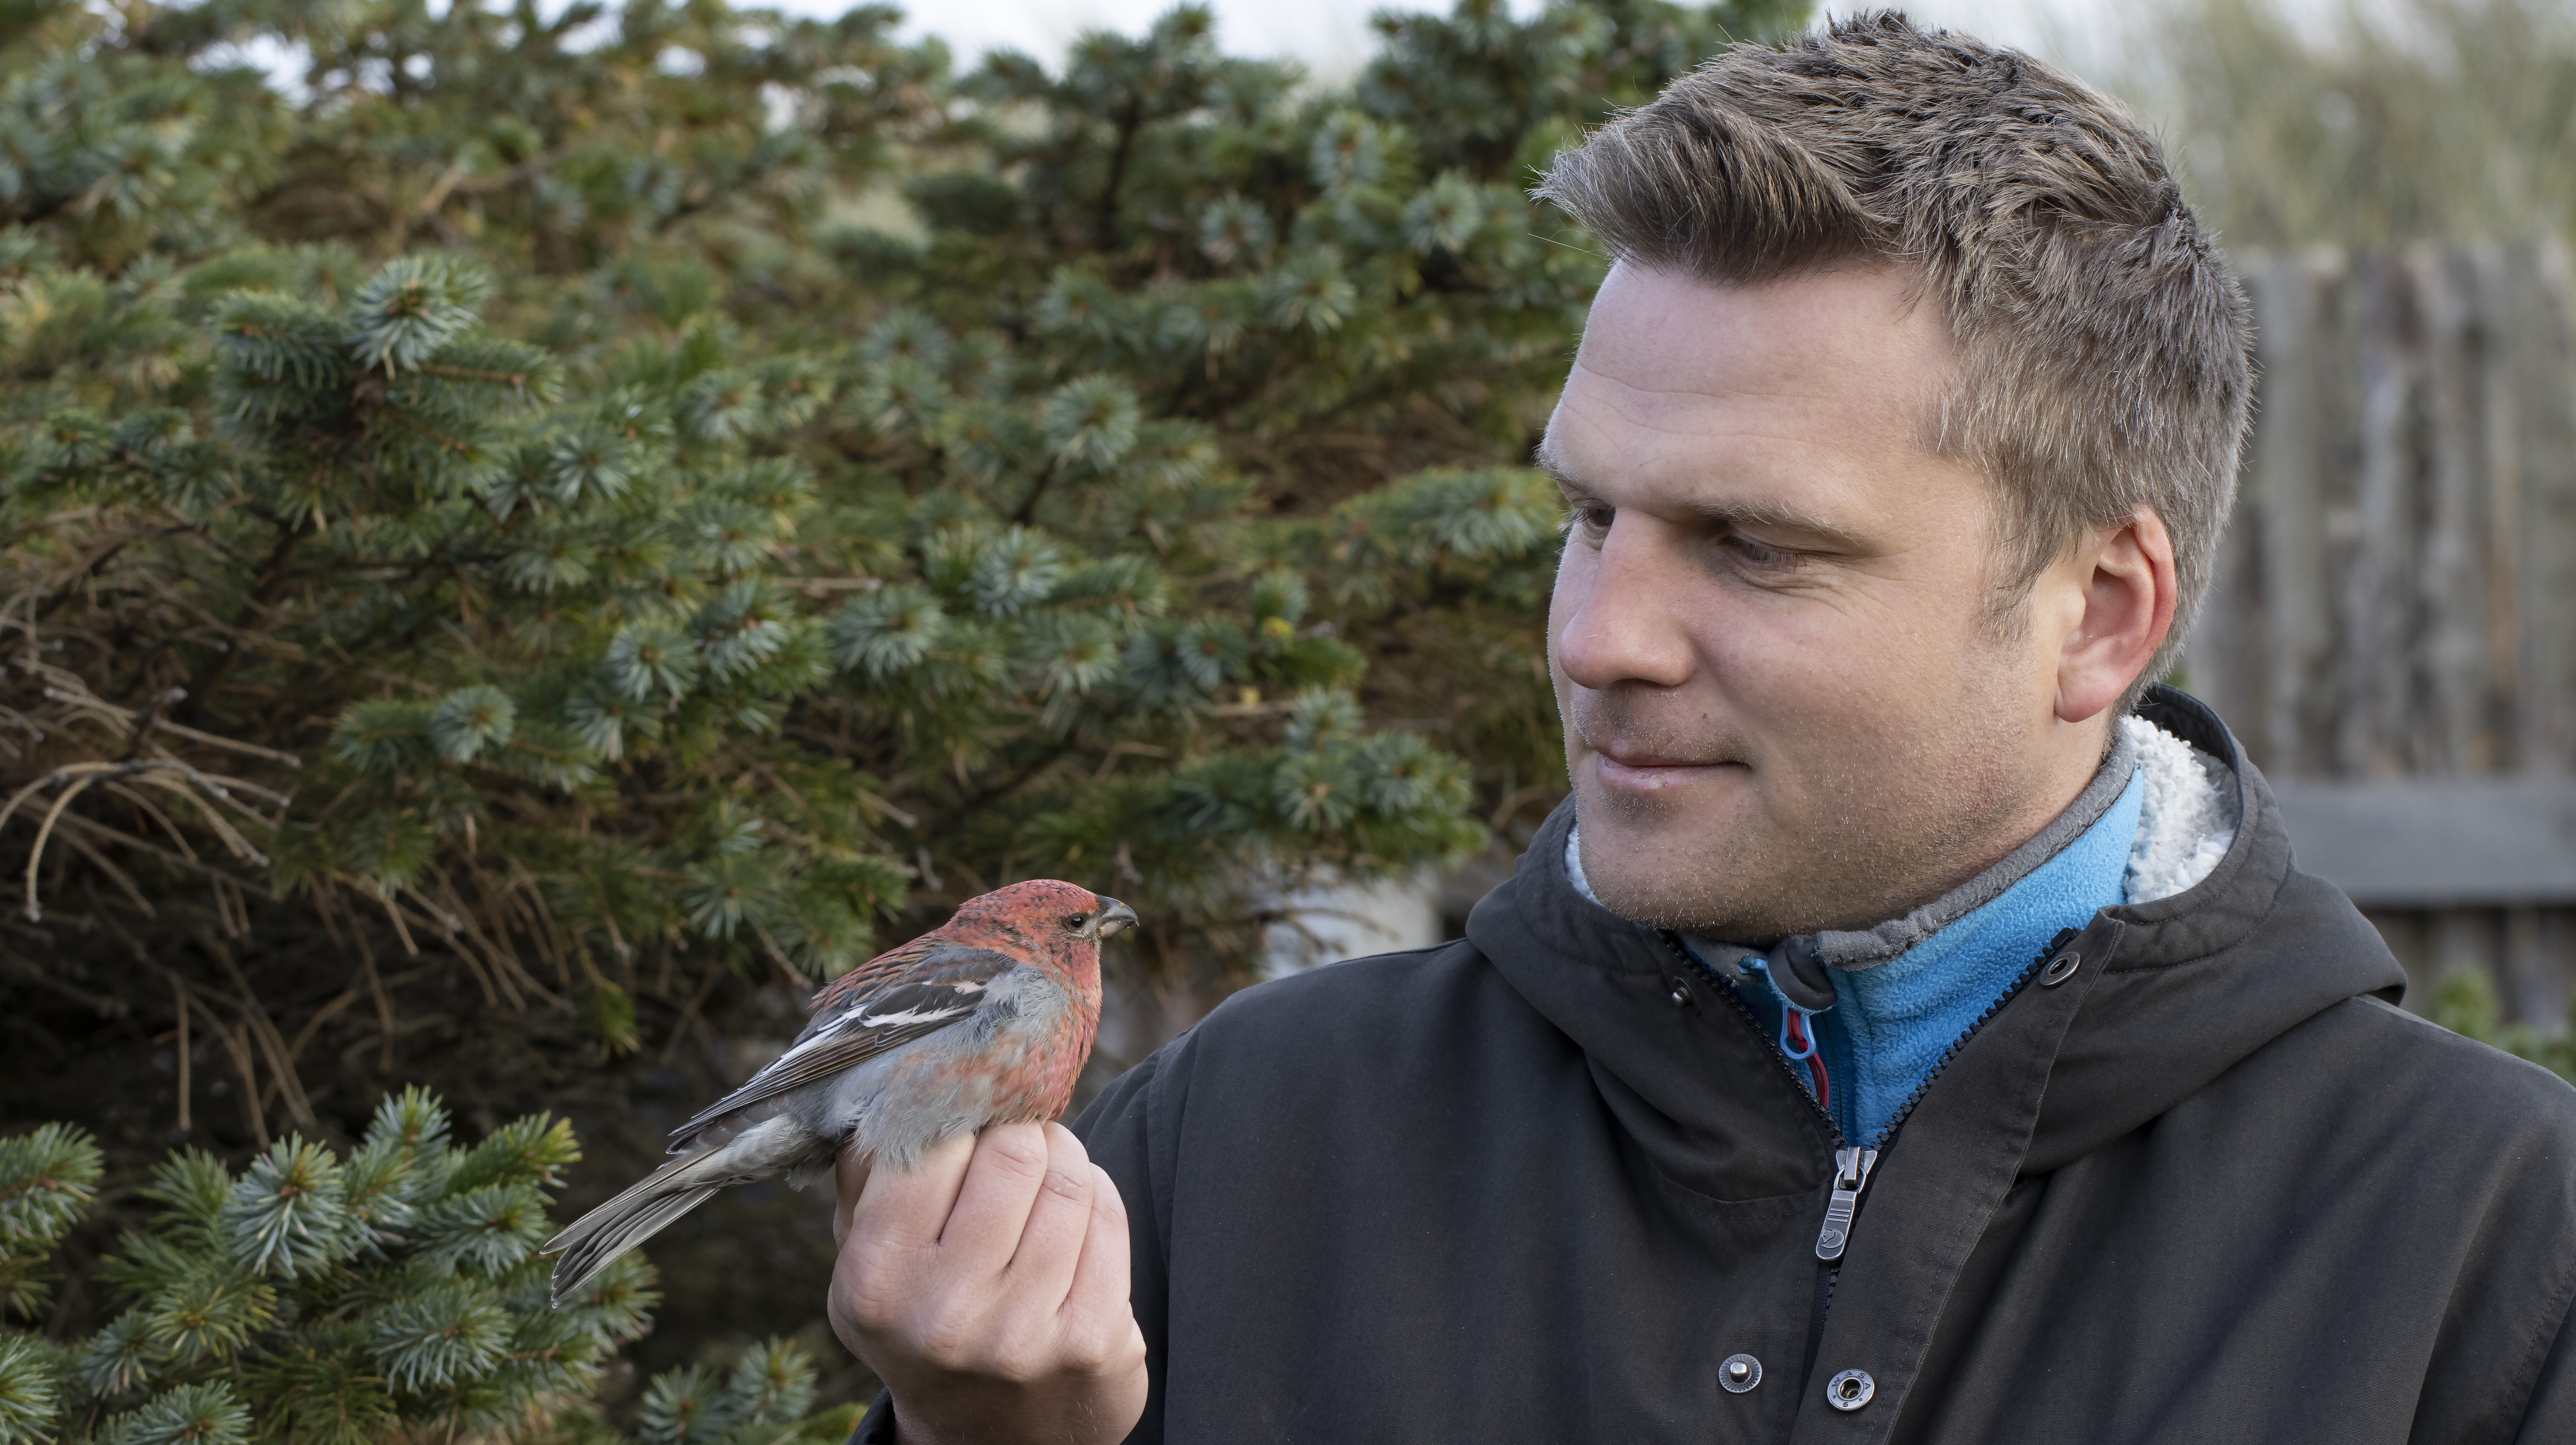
1756,554
1592,521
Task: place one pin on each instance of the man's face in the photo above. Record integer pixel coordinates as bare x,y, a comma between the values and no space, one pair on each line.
1787,706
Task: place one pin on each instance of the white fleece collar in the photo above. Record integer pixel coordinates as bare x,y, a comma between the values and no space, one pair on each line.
2188,821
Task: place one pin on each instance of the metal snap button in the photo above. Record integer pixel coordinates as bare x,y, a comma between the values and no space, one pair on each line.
1850,1390
1739,1373
1681,993
2060,969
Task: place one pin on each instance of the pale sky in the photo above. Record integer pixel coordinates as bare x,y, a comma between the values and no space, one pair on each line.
1331,36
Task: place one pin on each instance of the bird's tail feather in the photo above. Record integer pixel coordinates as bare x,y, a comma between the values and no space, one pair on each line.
634,1216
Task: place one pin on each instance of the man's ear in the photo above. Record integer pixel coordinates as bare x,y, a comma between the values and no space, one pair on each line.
2127,579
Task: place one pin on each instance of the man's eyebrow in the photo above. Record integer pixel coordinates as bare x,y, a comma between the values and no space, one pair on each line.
1776,517
1543,457
1739,513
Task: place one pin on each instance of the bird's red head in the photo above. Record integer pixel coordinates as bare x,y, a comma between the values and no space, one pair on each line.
1052,923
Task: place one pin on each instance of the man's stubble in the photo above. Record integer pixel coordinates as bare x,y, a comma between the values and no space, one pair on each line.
1865,822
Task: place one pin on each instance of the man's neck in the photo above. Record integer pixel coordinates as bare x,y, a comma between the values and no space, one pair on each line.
2065,761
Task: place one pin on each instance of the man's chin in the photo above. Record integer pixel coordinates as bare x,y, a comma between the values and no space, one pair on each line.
1664,872
1664,907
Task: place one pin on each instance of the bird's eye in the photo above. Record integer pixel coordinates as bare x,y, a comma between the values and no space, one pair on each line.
1073,922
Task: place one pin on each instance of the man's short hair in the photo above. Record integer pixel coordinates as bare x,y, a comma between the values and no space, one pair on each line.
2103,338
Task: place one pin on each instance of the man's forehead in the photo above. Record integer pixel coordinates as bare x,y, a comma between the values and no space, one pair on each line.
1837,360
1802,403
1857,329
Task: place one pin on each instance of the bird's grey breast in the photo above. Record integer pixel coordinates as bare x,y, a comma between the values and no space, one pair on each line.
900,1102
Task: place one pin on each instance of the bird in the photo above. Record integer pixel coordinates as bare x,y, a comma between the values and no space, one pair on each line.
986,1019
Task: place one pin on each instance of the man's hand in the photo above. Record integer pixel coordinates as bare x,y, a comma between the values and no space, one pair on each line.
988,1289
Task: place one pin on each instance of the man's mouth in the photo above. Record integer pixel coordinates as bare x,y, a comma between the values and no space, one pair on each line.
1644,771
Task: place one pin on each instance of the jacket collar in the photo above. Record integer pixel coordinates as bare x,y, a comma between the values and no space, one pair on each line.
1801,966
2192,984
2201,979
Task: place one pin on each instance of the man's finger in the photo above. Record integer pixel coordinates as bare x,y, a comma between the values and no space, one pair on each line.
993,1203
850,1170
904,1210
1096,1306
1050,1245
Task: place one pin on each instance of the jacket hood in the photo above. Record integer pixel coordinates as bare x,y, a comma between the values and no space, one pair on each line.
2188,985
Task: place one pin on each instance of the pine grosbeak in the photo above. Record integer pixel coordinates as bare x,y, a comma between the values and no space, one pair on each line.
984,1020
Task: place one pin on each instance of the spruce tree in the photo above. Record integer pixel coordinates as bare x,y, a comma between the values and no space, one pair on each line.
322,1299
526,555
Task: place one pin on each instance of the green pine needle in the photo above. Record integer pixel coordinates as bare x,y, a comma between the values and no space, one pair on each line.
289,1213
440,1337
772,1384
48,1177
413,1121
207,1414
534,1150
684,1407
210,1310
486,1230
28,1395
121,1358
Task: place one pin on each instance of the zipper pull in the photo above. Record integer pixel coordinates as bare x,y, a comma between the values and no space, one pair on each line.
1851,1175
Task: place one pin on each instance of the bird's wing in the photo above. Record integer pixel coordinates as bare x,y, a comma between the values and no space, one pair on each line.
892,966
941,988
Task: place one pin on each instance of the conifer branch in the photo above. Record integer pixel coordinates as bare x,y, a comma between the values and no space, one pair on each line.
264,589
1036,558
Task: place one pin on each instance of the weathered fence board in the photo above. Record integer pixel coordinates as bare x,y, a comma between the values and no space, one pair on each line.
2498,842
2392,628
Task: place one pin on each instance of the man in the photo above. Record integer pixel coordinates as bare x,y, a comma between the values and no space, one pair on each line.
1916,1028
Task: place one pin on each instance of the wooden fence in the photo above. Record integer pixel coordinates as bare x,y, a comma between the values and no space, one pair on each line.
2392,628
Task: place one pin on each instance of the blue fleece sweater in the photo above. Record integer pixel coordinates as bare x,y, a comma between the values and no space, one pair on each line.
1890,1023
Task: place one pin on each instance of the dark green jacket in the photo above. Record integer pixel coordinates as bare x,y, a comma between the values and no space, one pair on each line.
1541,1184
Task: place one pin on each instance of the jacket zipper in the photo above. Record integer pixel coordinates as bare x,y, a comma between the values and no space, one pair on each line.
1788,1070
1852,1166
2011,991
1828,1271
1851,1176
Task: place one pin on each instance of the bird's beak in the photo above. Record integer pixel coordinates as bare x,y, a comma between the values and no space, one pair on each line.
1114,916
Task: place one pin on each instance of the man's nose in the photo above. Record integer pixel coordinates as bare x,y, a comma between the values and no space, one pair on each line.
1623,612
